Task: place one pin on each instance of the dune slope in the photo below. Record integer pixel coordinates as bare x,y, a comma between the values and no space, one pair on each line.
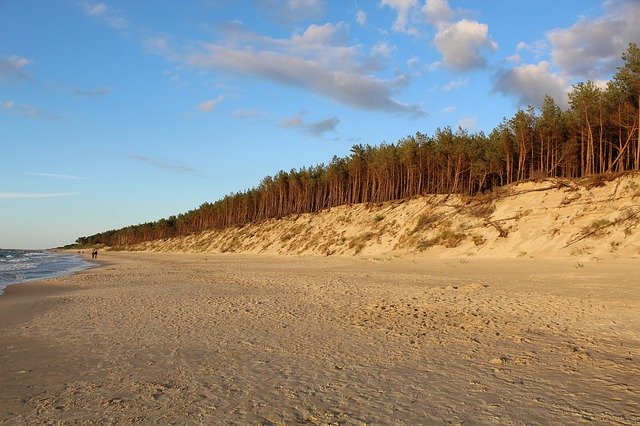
586,219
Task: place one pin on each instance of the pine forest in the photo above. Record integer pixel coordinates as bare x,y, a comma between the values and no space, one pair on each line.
597,134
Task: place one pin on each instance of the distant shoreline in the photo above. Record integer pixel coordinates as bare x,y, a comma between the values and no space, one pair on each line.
24,266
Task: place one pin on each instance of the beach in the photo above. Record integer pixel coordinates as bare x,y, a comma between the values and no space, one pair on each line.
266,339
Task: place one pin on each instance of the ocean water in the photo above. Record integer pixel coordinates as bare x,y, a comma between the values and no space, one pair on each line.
17,266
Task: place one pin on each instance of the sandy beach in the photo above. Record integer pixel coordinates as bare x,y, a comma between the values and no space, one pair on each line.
261,339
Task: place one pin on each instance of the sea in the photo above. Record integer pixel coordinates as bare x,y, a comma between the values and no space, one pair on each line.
17,266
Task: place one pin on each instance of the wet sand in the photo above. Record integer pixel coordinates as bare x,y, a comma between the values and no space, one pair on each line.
192,338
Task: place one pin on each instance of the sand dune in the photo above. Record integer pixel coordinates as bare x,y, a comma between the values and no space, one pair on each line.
586,219
191,338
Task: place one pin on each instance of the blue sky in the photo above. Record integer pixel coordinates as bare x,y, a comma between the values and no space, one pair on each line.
120,112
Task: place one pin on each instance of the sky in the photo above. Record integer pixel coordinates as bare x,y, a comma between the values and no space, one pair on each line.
114,113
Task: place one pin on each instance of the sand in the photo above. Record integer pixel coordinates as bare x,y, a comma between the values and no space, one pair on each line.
201,338
551,218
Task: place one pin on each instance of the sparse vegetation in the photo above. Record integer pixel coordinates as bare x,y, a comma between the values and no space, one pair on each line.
427,221
425,244
568,199
578,251
596,228
447,238
359,243
479,240
482,210
450,238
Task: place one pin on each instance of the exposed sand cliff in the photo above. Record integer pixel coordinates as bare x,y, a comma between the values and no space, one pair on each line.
587,219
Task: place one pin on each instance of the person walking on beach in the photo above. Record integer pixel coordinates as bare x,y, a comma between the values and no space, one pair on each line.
94,254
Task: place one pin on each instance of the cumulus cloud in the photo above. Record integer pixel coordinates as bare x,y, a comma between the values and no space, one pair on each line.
437,11
12,67
361,17
379,56
461,44
515,58
382,50
403,9
530,83
210,104
591,48
325,44
588,49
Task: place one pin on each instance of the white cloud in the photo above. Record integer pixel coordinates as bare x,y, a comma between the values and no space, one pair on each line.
98,91
437,11
102,12
461,44
591,48
59,176
516,58
380,55
537,48
455,84
294,121
247,113
347,87
413,62
467,123
96,8
530,83
403,9
315,128
292,11
320,127
12,67
158,44
167,165
210,104
382,50
325,44
315,35
29,195
28,111
361,18
449,109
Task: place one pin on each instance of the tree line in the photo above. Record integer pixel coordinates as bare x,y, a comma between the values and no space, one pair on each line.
597,134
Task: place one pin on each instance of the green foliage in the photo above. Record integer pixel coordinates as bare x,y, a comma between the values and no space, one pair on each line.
598,134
